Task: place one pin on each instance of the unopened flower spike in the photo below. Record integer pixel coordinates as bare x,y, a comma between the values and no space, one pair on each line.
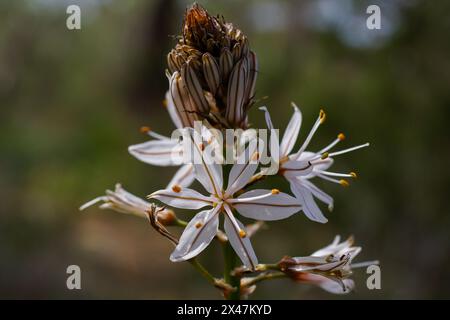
212,71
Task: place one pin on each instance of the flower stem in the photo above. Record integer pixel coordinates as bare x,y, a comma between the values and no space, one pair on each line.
200,268
230,264
265,276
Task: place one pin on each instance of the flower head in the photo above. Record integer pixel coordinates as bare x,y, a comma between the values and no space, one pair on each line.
300,167
329,267
212,71
256,204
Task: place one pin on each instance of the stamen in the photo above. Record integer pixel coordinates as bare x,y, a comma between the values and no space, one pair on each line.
339,138
147,130
165,103
201,146
275,191
198,225
364,264
354,175
176,188
316,125
344,183
144,129
349,150
324,177
255,156
336,174
235,224
250,199
322,116
324,155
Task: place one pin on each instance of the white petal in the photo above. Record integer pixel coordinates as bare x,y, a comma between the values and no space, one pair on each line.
305,197
183,177
297,168
242,246
243,169
158,152
184,198
197,235
337,288
267,208
318,193
321,165
207,171
291,133
173,111
267,117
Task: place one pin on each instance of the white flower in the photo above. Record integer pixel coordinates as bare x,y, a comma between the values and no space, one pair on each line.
255,204
328,268
300,167
122,201
164,151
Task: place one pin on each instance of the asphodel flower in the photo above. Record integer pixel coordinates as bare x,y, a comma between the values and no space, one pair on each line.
256,204
300,167
328,268
212,71
123,201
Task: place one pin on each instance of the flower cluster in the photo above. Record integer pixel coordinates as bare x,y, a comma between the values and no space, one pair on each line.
212,76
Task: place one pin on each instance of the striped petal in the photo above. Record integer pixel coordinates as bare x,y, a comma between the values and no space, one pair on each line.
197,235
158,152
173,113
291,133
266,205
244,168
304,196
319,194
241,244
252,76
207,171
211,72
236,93
225,64
194,88
181,100
183,198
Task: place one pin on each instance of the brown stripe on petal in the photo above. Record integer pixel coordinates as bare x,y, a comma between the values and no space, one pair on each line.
236,94
252,75
237,52
211,72
226,63
171,62
178,100
194,88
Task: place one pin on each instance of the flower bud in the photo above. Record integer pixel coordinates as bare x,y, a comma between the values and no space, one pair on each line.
215,71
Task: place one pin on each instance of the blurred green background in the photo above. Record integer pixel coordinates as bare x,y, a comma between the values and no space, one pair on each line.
72,101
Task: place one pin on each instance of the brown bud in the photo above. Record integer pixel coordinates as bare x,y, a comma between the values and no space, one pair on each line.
210,56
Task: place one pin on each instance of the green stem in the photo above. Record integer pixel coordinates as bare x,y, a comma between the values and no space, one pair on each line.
200,268
180,223
265,276
230,263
